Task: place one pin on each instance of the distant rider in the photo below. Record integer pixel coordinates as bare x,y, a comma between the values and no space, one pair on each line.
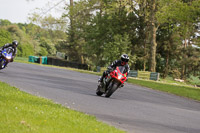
123,62
12,45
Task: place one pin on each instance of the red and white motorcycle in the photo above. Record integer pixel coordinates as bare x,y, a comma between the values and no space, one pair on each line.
112,82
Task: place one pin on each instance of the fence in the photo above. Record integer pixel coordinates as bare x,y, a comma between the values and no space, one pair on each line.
36,59
65,63
57,62
145,75
138,74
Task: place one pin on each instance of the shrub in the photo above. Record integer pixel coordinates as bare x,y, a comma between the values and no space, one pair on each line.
25,50
5,37
194,80
176,74
43,52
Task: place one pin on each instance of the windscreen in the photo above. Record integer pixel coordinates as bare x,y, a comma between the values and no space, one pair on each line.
9,50
122,69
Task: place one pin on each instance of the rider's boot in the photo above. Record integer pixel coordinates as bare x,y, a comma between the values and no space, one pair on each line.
100,81
122,85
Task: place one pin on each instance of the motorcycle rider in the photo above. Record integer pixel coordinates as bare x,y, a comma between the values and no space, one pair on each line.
12,45
123,62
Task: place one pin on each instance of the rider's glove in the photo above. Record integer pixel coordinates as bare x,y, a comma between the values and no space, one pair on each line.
110,69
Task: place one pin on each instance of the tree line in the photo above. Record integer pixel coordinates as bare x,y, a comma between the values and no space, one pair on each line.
161,36
33,39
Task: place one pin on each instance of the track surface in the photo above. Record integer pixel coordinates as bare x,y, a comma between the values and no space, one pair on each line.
133,109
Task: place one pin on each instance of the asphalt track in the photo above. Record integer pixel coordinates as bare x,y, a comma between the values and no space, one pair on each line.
133,109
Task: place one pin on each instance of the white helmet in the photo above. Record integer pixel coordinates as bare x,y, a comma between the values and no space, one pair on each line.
124,58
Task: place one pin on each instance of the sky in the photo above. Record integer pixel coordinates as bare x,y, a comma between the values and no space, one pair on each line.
17,11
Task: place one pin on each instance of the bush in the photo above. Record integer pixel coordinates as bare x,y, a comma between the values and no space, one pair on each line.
176,74
43,52
25,50
194,80
5,37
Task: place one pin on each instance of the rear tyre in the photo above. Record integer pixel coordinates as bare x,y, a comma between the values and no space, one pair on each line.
111,91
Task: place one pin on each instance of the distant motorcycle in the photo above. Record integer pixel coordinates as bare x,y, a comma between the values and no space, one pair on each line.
112,82
5,57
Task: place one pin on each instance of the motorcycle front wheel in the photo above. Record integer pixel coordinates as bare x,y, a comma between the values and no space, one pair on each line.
111,90
2,64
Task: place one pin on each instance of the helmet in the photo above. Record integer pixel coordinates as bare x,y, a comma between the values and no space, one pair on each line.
15,43
124,58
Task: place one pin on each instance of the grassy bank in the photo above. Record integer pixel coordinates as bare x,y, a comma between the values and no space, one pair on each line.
184,91
21,59
21,112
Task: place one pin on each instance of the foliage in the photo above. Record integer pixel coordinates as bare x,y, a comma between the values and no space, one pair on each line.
100,31
43,52
33,40
47,46
194,80
113,50
48,22
25,50
176,74
5,37
5,22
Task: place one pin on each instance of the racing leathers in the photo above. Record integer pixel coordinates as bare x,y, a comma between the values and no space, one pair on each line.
14,48
113,66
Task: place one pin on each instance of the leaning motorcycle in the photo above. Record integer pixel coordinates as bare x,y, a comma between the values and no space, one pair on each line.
5,57
112,82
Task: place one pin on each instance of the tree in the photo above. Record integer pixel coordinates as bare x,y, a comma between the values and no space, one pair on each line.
182,17
4,22
153,27
46,46
108,33
5,37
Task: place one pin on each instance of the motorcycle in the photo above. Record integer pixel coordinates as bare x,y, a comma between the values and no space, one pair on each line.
5,57
112,82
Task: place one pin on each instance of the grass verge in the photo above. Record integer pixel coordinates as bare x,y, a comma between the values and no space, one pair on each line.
22,112
184,91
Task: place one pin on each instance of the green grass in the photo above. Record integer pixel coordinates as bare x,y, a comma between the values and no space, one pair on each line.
21,59
184,91
166,85
21,112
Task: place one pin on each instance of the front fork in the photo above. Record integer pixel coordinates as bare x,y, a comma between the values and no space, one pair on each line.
112,82
3,63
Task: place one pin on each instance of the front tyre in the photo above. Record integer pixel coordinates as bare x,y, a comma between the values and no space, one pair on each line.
2,64
111,90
